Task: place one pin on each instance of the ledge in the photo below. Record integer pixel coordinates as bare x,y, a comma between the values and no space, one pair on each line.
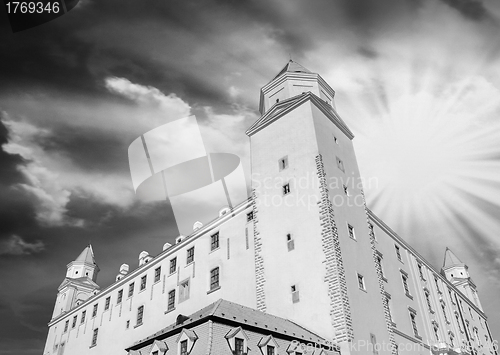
409,296
138,325
169,310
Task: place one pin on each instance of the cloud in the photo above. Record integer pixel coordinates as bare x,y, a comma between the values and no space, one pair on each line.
15,245
470,9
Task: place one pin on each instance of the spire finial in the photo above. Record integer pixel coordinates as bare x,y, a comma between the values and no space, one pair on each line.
290,54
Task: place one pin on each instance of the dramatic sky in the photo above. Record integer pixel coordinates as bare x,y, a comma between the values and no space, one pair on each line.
417,81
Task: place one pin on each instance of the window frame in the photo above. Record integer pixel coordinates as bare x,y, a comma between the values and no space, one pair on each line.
171,300
140,315
143,284
172,265
214,241
215,278
190,256
157,274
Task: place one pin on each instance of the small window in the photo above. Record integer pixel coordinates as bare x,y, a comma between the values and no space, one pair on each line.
295,293
378,260
346,190
428,300
173,265
413,320
83,317
131,289
404,278
283,163
361,282
214,241
436,331
190,255
420,271
140,314
375,346
120,297
372,232
74,322
335,140
350,230
290,242
286,189
94,311
340,164
184,291
127,325
184,347
238,346
387,301
270,350
66,325
437,284
157,274
249,216
94,337
443,308
143,282
214,278
398,252
171,300
106,303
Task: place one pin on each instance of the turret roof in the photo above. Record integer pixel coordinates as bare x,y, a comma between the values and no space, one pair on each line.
450,259
293,67
87,255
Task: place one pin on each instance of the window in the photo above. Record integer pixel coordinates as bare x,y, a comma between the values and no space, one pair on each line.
249,216
428,300
286,189
171,300
143,282
184,291
443,308
372,232
184,347
74,322
120,297
350,230
398,252
190,255
346,190
361,282
378,260
437,284
94,337
387,301
214,278
420,271
404,278
283,163
452,340
94,312
413,320
375,346
295,294
66,325
127,325
106,303
157,274
173,265
131,289
238,346
458,322
289,242
436,332
83,317
214,241
155,353
140,314
335,140
340,164
270,350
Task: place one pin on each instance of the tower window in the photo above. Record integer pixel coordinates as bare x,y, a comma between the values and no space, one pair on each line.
106,303
295,293
94,312
249,216
171,300
372,232
214,241
94,337
143,282
120,296
190,255
66,325
350,230
286,189
83,317
361,282
74,322
340,164
398,252
214,278
173,265
140,314
413,320
283,163
290,242
157,274
131,289
184,291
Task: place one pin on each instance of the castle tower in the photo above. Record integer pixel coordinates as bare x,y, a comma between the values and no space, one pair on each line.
457,273
313,248
79,283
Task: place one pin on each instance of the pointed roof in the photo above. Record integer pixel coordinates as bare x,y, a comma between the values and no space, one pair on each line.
450,259
87,255
293,67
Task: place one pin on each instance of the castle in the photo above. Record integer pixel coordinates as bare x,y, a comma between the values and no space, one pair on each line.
300,267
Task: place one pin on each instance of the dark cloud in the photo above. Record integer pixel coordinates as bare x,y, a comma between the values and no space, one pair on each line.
9,174
470,9
368,52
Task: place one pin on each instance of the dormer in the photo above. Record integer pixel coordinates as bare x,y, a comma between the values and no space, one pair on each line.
291,81
237,340
185,341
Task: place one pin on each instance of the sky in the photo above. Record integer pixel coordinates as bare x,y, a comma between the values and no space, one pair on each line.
417,81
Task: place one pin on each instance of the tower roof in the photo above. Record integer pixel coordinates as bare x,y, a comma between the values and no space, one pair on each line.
87,255
450,259
293,67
